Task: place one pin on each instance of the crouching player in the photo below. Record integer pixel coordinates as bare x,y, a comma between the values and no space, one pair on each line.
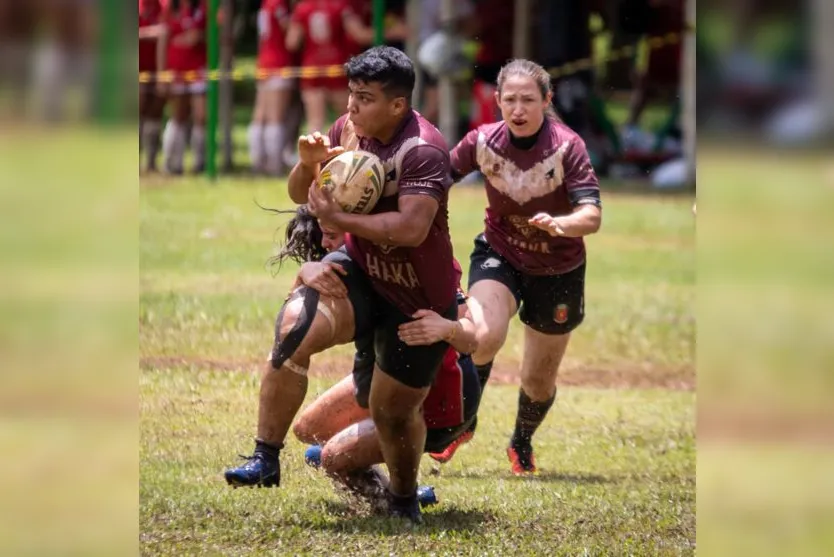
340,421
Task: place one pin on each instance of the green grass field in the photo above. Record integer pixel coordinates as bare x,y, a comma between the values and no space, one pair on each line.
618,464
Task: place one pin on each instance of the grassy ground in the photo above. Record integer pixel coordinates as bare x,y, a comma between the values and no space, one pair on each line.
618,473
618,464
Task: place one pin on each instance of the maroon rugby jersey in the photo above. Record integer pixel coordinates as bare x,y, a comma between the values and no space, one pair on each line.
416,162
553,177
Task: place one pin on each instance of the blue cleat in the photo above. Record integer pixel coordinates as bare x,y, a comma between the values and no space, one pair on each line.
312,456
426,496
259,470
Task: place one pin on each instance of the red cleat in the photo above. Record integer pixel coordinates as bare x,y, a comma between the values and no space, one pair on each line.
523,462
449,451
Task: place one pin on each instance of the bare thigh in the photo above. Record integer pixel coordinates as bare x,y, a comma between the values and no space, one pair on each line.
330,413
492,306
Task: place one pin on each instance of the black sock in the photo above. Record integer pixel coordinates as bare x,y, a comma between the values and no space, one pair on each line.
483,373
403,501
268,450
530,416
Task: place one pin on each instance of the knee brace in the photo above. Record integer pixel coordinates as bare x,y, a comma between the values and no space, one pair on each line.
283,349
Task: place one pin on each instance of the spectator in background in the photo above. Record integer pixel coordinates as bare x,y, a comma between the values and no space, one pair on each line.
267,132
662,73
564,38
430,23
182,50
323,28
18,29
493,29
151,104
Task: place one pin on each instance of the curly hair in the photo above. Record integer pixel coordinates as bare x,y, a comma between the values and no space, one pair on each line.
302,238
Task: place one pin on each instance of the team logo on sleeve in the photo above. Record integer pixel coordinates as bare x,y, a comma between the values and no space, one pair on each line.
560,316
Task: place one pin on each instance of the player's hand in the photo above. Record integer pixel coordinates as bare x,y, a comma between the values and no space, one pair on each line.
427,328
322,205
315,148
324,277
548,223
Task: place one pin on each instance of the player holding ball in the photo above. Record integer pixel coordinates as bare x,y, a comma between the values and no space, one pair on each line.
398,260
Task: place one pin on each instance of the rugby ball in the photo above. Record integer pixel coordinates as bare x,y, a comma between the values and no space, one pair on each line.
355,179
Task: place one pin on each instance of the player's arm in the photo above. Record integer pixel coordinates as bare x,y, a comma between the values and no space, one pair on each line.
151,31
422,186
583,191
584,220
355,29
295,36
428,328
322,276
162,48
408,226
463,159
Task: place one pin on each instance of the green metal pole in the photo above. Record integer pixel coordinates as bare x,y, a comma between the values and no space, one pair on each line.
110,48
213,45
379,21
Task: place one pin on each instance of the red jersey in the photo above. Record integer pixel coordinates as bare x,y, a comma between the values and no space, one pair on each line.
273,19
325,38
150,13
181,58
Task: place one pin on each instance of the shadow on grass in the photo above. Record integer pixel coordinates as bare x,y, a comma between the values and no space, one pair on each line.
351,519
540,477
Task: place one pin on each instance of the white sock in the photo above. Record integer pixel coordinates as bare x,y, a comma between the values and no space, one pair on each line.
150,140
274,139
257,153
198,145
173,146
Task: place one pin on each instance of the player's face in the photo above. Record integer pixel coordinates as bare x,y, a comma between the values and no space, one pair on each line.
373,113
522,105
331,240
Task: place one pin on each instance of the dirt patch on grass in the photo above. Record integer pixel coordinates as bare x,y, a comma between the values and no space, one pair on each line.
718,423
601,377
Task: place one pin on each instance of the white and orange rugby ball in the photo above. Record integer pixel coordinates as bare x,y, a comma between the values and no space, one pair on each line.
355,179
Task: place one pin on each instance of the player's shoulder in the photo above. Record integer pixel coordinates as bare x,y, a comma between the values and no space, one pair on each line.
493,134
560,133
428,134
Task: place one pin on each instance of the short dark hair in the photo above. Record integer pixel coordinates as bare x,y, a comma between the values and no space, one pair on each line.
388,66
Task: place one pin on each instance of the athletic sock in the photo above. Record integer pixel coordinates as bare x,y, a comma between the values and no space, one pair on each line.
530,416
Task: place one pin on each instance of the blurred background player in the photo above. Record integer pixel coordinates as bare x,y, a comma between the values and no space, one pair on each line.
320,30
267,131
151,103
182,49
543,197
